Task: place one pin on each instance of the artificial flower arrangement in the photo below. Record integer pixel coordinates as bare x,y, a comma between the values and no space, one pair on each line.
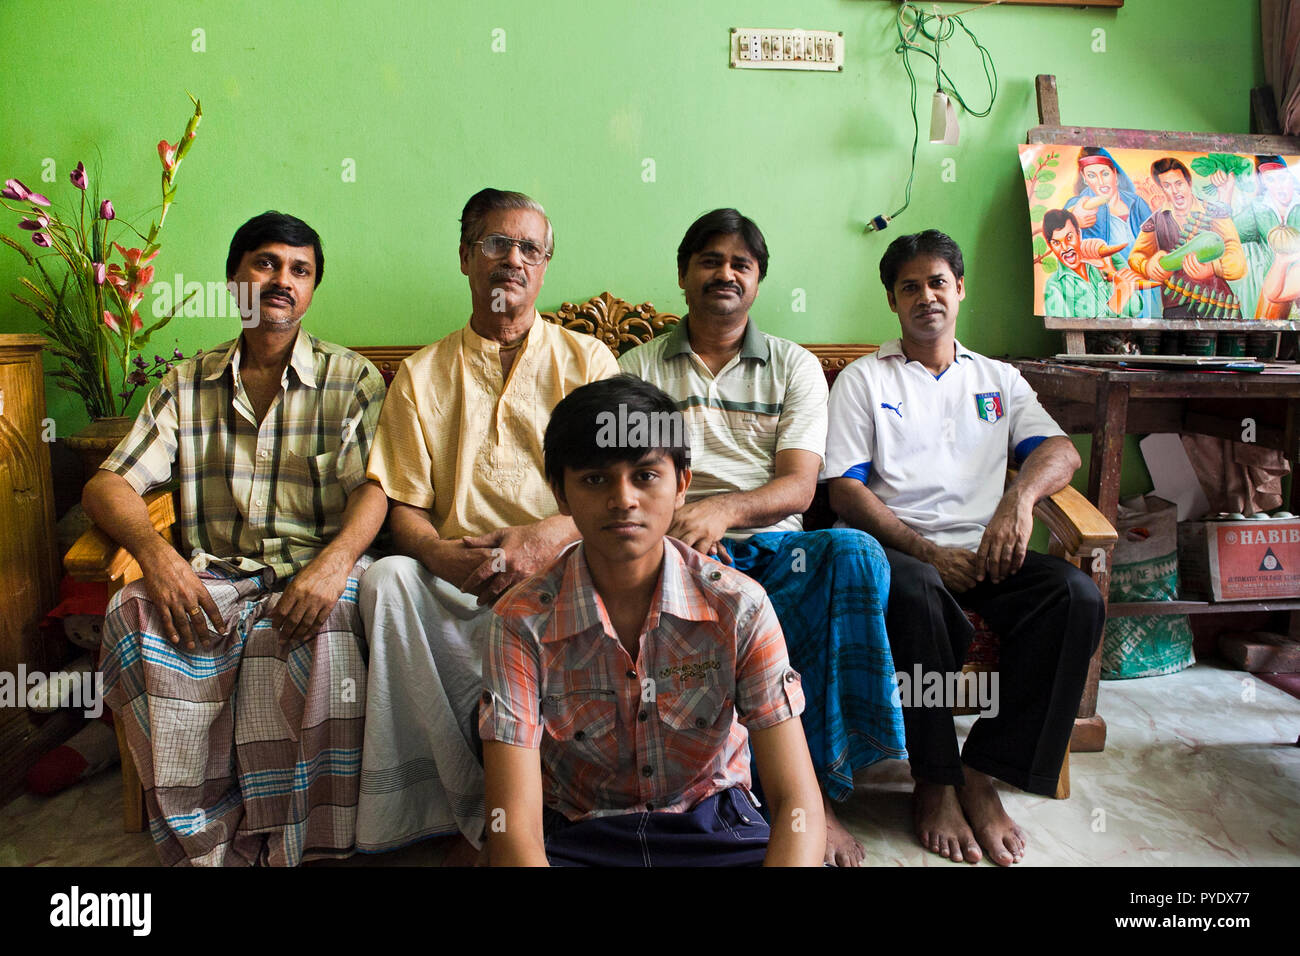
90,306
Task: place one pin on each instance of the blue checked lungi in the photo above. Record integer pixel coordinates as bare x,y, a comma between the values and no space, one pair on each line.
249,749
721,830
830,590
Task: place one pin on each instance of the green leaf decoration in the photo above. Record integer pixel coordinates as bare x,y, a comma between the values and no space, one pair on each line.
1049,265
1044,191
1046,176
1213,163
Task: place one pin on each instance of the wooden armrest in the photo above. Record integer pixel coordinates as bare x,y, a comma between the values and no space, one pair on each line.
97,557
1076,522
1073,520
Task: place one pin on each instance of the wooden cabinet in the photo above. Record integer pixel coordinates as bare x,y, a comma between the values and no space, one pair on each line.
29,560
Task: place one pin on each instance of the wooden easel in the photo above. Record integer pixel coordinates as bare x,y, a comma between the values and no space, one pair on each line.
1051,132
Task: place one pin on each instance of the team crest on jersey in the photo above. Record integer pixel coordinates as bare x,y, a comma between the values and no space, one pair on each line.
988,406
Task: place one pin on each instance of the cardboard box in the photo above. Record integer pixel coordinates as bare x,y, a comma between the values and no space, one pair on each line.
1239,560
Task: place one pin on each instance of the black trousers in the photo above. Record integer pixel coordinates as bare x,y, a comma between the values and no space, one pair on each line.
1048,617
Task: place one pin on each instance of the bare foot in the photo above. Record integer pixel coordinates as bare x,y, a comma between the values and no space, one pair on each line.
841,848
940,824
461,853
997,833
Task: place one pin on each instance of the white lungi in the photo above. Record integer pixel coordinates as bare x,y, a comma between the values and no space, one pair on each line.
421,773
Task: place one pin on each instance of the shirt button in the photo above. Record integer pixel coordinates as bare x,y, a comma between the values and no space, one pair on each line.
647,771
631,675
261,502
715,575
789,677
580,735
643,716
701,722
544,598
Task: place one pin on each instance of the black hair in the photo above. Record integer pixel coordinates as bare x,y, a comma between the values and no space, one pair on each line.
272,226
1055,220
904,249
1167,165
726,222
588,428
490,200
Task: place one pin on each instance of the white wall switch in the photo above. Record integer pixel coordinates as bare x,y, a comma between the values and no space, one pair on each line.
754,49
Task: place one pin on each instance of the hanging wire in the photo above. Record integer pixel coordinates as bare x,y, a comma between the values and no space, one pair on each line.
935,29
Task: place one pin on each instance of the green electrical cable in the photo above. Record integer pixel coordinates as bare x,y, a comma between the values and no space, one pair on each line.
921,26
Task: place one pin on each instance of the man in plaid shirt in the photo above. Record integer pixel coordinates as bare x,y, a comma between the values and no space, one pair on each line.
235,664
624,683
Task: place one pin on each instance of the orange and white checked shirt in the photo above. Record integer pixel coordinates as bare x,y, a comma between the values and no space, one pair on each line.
659,733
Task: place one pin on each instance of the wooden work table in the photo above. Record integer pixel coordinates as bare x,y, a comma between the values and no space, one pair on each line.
1109,403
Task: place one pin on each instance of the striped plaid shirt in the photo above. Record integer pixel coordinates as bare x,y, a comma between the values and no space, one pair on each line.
257,495
769,397
658,733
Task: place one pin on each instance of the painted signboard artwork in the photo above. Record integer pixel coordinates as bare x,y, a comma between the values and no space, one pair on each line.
1146,234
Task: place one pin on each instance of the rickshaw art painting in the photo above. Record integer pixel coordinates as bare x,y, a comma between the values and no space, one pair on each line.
1141,235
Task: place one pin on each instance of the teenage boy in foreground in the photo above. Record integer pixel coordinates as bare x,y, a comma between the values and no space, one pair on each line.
624,683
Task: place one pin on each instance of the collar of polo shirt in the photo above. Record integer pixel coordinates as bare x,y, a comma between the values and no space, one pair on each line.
753,345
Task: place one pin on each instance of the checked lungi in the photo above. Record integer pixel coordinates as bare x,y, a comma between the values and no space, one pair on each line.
830,590
249,749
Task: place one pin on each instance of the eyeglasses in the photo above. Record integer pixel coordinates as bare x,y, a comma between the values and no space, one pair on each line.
498,247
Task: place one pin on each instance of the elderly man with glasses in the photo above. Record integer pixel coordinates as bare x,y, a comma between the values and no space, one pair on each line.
459,453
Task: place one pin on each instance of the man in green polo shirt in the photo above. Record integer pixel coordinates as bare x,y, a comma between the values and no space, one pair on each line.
755,406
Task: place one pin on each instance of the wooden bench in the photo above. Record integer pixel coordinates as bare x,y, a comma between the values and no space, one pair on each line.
1077,530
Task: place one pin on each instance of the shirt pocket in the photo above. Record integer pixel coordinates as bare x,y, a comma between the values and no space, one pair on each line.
311,481
704,712
584,721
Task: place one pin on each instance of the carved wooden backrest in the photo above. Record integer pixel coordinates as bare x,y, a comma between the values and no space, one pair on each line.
619,324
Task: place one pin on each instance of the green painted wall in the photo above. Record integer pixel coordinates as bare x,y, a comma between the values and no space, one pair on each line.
583,94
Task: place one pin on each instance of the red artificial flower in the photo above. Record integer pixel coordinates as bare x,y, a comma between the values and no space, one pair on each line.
167,153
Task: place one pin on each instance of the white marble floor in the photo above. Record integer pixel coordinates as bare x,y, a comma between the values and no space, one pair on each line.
1200,768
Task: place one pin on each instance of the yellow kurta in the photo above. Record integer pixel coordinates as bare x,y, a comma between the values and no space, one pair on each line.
458,441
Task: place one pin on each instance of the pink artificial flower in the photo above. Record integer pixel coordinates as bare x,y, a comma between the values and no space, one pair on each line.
111,321
37,199
15,190
136,325
40,222
144,277
100,273
78,176
167,153
106,210
41,239
132,256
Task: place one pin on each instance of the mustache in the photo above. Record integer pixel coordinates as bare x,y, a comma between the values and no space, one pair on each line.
280,292
714,286
515,275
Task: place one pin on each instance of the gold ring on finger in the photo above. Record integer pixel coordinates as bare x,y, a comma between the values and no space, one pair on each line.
196,609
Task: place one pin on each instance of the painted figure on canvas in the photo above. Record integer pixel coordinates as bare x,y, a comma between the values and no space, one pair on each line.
1107,206
1094,281
1272,202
